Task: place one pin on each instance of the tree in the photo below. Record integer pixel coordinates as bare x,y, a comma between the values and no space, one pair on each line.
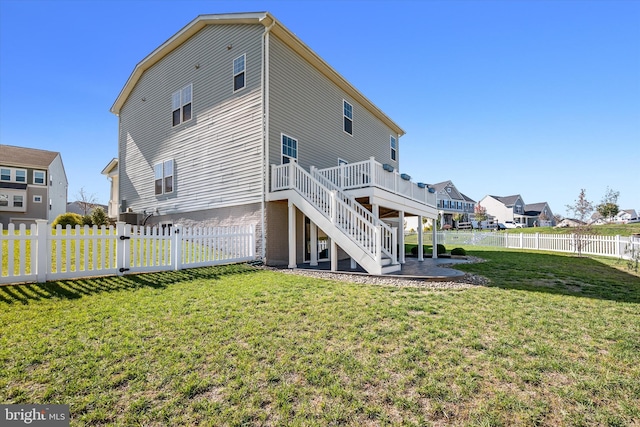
87,201
480,214
608,206
99,217
581,210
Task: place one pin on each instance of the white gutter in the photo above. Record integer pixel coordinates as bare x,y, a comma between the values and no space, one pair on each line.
265,131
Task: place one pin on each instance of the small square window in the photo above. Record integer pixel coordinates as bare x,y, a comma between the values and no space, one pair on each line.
347,112
37,199
238,73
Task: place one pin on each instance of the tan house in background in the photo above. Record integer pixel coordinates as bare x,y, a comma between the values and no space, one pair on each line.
33,185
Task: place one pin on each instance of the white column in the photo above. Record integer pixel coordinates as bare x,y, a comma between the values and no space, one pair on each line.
401,236
313,232
375,210
420,247
435,239
292,236
334,256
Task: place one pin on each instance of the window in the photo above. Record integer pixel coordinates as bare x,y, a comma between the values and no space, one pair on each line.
5,174
39,177
394,148
238,73
4,200
37,199
163,177
181,105
17,201
289,149
347,112
21,175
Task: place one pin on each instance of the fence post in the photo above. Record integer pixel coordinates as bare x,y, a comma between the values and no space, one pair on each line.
618,251
122,248
176,247
292,175
43,257
521,239
537,246
372,171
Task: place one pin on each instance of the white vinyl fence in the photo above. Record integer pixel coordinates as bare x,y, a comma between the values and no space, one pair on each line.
609,246
40,253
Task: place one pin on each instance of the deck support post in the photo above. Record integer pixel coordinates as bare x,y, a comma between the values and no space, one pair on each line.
420,247
434,249
401,237
292,236
313,237
334,255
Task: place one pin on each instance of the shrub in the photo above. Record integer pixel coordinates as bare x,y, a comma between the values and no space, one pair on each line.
458,251
441,249
86,220
99,217
68,218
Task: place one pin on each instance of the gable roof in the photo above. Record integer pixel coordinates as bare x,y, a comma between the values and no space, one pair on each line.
467,198
535,207
508,200
11,155
270,24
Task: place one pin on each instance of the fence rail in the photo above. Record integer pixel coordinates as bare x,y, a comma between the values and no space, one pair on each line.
40,253
609,246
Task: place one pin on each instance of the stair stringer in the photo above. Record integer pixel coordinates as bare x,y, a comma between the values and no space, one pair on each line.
343,240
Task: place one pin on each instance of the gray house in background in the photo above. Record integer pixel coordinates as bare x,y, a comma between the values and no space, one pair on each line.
452,202
209,118
513,208
33,185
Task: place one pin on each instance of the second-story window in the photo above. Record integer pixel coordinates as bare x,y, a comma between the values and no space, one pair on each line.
289,149
238,73
21,175
394,147
163,177
5,174
39,177
181,105
347,112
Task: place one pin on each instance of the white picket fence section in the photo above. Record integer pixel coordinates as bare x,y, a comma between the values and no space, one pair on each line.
609,246
40,253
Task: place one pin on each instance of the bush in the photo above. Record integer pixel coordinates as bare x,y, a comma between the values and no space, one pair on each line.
86,220
99,217
68,218
458,251
441,249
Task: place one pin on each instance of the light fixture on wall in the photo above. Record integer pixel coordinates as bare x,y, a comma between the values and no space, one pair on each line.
229,46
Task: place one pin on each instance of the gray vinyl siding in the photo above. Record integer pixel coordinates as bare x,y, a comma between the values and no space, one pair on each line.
217,154
306,105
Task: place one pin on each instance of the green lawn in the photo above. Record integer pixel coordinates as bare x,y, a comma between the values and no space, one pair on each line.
555,340
603,230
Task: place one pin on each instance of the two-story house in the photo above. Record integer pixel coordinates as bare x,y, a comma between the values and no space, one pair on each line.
33,185
451,202
235,120
513,208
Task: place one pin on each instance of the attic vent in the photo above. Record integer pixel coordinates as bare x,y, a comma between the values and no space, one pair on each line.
448,189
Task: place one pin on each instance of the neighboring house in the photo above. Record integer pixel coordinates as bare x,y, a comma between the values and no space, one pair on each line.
502,209
234,120
111,172
539,215
33,185
626,215
78,207
452,202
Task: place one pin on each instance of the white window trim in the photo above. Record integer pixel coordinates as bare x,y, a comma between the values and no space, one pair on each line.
11,193
13,173
164,177
244,70
182,104
393,151
10,175
344,116
295,159
44,178
35,199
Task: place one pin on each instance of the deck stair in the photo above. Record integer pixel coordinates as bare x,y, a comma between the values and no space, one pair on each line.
365,238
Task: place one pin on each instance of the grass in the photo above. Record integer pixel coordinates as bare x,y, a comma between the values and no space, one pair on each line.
603,230
555,340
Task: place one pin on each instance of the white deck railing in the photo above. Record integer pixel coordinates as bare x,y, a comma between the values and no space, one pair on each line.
366,233
388,232
371,173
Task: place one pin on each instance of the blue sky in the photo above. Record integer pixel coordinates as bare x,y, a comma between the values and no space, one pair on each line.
538,98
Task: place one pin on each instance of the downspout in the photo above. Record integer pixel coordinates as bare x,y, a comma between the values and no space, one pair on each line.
265,131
